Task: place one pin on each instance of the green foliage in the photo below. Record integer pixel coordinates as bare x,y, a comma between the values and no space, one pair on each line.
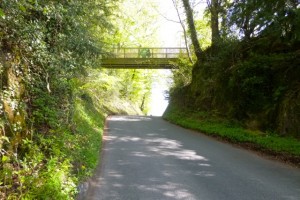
235,133
253,18
252,88
183,75
250,76
289,112
55,162
45,45
89,126
34,175
121,86
136,24
204,32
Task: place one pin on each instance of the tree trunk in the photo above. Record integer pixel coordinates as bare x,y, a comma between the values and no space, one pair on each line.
184,31
11,111
215,32
193,32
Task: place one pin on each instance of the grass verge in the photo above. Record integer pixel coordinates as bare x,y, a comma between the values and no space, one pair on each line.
284,148
89,129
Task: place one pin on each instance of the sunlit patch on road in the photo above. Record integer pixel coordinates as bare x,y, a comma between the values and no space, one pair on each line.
129,118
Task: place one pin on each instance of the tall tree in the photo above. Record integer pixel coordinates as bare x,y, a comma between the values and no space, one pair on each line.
193,32
214,6
175,3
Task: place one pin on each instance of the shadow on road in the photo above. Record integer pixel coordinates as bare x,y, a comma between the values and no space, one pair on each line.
148,163
147,158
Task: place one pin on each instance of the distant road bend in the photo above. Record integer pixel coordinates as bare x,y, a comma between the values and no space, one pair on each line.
148,158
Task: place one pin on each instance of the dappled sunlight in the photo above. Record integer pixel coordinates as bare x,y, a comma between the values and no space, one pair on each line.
108,137
171,190
167,147
165,143
143,152
139,154
160,161
175,191
123,162
129,118
161,146
117,185
114,174
162,129
204,165
121,139
127,139
152,134
183,154
151,188
205,174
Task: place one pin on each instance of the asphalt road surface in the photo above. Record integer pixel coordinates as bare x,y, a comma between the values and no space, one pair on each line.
148,158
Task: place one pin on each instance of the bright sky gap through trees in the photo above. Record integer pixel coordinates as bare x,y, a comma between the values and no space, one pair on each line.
170,34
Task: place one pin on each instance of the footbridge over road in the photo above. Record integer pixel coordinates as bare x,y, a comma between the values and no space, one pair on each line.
143,58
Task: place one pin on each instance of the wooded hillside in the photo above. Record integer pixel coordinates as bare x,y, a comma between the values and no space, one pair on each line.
250,73
54,96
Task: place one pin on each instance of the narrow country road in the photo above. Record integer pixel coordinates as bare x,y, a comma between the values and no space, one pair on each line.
148,158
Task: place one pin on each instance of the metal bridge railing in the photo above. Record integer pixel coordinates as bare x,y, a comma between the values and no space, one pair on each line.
147,52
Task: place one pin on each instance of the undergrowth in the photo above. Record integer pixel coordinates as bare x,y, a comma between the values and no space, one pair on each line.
56,163
286,148
89,127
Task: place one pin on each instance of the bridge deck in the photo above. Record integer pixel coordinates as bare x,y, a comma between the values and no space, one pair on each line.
143,58
142,63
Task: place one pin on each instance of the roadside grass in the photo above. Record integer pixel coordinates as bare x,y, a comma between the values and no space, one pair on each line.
89,125
284,148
